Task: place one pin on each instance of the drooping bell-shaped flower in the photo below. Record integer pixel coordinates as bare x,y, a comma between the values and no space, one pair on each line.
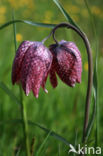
31,66
66,63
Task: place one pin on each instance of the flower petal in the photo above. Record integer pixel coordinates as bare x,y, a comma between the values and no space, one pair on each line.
35,76
46,57
35,67
73,47
18,60
53,78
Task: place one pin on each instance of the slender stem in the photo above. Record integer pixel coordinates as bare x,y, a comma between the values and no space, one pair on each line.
14,30
46,37
25,128
90,70
23,108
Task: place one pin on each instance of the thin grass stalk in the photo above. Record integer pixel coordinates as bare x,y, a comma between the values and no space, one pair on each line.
95,78
43,144
23,106
25,128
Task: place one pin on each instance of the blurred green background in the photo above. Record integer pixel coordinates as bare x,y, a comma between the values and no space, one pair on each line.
62,109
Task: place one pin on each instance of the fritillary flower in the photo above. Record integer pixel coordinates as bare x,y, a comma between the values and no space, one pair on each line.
66,63
31,66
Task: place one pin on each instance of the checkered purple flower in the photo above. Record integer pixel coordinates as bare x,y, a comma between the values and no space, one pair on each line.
33,62
31,66
66,63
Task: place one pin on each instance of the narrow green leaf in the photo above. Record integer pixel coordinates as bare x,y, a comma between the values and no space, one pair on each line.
91,17
55,135
14,31
95,79
93,26
95,84
28,22
66,15
9,92
91,122
18,152
42,145
95,112
52,133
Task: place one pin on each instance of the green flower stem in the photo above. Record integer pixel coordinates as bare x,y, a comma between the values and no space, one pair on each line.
90,70
25,125
23,107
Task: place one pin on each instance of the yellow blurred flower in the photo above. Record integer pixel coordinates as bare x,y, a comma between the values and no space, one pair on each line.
13,3
48,14
86,66
2,14
19,37
96,10
2,19
21,3
2,10
74,9
47,17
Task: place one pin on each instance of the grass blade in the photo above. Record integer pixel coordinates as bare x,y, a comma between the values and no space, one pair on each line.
91,17
9,92
66,15
91,122
95,84
14,32
95,112
52,133
55,135
28,22
42,145
18,152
